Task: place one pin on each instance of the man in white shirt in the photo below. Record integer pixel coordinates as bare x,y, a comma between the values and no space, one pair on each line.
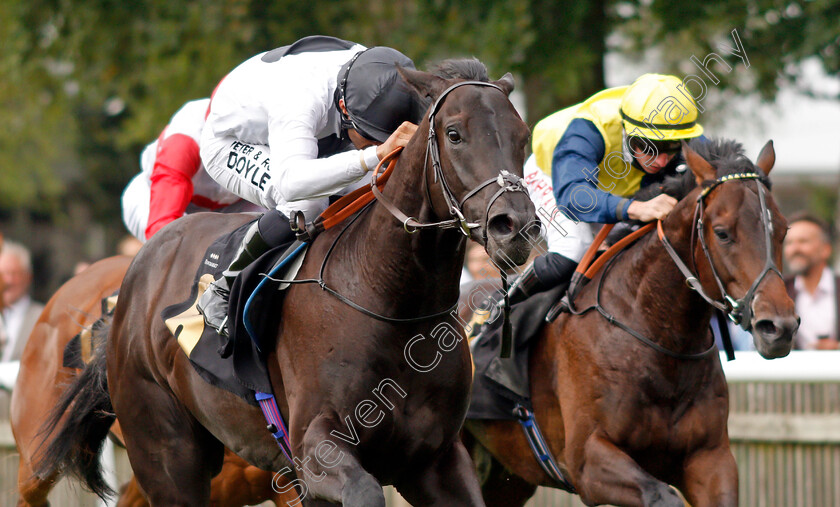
290,127
807,251
20,312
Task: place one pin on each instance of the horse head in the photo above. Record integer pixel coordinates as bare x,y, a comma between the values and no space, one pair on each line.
739,234
475,154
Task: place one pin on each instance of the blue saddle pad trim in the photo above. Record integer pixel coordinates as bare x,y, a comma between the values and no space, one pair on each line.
277,269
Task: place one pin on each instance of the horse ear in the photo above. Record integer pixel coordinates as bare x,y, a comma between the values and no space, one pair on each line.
767,158
506,83
425,85
702,169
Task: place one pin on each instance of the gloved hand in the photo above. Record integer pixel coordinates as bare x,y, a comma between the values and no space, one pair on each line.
546,272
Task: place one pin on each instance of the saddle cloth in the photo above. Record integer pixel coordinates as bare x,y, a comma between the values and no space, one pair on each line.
500,384
236,363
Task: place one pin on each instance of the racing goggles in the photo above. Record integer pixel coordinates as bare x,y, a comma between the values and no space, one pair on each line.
653,146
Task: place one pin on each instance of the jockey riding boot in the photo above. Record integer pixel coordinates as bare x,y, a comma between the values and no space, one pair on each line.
270,231
546,272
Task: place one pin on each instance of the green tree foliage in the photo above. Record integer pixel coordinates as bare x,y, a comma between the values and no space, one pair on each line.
33,144
565,64
776,35
86,84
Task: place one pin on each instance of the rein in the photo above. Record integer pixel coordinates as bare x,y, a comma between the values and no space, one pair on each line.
739,311
608,257
345,207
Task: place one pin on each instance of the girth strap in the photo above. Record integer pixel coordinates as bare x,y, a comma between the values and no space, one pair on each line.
276,425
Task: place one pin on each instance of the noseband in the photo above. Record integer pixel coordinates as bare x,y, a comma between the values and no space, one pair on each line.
739,311
507,182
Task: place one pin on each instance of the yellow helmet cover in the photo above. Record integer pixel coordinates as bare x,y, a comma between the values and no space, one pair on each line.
658,107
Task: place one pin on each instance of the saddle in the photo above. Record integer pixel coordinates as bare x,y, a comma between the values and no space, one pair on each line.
236,363
500,384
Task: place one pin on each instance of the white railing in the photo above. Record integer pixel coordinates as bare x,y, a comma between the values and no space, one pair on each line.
798,366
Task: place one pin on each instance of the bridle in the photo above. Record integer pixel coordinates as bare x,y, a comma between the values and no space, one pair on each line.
507,182
739,311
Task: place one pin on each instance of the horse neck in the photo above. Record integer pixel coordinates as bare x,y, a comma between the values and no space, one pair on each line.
677,317
426,264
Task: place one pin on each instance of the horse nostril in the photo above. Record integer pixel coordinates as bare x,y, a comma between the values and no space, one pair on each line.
790,325
501,225
766,327
532,231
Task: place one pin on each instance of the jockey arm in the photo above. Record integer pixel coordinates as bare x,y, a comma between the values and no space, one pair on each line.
300,174
580,148
176,163
574,174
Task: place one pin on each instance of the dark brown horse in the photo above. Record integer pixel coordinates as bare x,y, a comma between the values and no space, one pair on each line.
42,379
369,400
622,419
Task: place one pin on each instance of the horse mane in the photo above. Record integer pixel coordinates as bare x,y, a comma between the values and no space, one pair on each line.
470,69
461,68
727,157
677,186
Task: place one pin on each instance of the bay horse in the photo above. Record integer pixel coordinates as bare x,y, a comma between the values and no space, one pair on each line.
622,419
43,378
369,396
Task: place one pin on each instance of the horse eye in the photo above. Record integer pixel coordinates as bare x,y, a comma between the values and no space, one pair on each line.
722,235
454,136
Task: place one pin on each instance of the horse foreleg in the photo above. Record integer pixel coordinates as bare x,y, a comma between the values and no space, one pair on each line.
502,488
711,478
607,475
331,471
450,480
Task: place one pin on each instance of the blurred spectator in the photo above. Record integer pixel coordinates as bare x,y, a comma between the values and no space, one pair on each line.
813,287
129,246
20,312
741,340
477,264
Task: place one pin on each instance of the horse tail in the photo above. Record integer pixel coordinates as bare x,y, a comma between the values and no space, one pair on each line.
88,415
